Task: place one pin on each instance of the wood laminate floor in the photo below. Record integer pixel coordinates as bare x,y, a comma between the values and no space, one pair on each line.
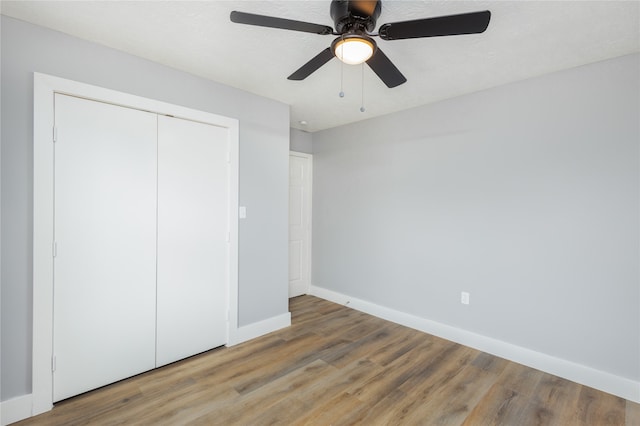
338,366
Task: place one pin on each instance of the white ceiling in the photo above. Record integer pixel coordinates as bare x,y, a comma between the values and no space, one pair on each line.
524,39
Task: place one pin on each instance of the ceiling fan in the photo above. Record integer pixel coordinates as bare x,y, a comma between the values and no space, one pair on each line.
355,21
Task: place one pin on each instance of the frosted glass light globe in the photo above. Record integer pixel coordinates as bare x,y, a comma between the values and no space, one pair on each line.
354,50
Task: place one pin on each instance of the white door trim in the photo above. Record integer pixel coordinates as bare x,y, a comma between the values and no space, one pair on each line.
45,87
309,208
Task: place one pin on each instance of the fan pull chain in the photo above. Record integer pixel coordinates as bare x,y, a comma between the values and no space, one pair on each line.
362,103
341,72
341,79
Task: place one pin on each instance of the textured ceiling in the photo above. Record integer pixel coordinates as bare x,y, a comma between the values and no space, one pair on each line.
524,39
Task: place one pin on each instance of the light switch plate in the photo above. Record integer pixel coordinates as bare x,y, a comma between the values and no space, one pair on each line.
242,212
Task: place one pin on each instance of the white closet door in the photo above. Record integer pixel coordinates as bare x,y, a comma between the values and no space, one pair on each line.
105,232
299,223
193,225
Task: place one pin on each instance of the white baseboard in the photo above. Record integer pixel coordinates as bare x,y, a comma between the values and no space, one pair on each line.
578,373
15,409
251,331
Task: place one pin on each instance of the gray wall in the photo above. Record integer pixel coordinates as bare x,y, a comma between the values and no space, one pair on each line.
301,141
526,196
264,156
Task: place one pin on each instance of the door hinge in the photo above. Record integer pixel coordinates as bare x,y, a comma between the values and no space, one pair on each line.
55,134
53,363
55,249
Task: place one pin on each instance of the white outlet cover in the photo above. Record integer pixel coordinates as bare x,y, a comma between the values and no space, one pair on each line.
464,298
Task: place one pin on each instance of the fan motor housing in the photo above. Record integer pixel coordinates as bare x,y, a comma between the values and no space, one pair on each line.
355,15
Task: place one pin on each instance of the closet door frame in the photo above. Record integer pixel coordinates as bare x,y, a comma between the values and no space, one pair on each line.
45,87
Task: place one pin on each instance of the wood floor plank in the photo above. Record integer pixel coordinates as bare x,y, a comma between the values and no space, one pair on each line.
281,389
284,362
337,322
84,408
440,368
598,408
182,408
335,411
500,406
338,366
402,341
632,414
320,398
490,363
554,402
376,412
521,379
358,348
246,375
424,389
395,374
449,397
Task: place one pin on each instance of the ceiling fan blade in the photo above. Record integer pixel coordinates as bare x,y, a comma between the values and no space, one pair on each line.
466,23
310,67
384,68
285,24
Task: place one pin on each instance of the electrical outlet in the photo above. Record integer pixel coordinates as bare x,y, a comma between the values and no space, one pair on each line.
464,298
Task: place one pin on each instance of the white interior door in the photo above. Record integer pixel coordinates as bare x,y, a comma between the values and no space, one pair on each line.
105,244
193,232
300,173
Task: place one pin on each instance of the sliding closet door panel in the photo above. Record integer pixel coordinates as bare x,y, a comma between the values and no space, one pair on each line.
193,224
105,231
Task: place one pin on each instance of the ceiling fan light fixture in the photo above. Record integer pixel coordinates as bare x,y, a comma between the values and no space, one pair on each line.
354,21
353,49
